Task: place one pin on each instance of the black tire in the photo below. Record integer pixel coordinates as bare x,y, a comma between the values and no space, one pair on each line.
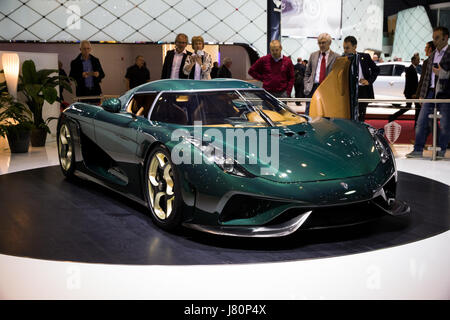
159,198
66,150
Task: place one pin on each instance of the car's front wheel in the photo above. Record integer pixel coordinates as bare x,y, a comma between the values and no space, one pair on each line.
66,153
163,189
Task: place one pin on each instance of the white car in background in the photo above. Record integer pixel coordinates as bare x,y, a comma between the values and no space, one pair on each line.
390,82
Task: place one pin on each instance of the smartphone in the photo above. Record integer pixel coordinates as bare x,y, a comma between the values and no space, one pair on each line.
435,65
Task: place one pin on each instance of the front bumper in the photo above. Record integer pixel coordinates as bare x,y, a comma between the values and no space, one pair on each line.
278,230
287,218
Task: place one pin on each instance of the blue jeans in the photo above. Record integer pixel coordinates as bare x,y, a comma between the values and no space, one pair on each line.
422,127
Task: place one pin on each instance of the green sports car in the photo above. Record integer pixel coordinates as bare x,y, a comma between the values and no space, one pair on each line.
226,157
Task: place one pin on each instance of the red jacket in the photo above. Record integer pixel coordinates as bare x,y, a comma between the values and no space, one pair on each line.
275,76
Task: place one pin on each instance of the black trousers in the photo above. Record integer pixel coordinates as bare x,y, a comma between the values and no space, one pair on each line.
363,93
299,91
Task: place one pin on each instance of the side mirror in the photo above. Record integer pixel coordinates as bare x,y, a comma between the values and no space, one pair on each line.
112,105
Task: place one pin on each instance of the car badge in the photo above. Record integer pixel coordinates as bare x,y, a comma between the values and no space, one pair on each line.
344,185
392,131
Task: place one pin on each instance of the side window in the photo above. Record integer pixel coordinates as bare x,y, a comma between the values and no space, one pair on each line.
399,69
386,70
215,107
140,104
174,108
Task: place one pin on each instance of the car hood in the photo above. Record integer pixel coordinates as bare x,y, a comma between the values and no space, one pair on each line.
322,149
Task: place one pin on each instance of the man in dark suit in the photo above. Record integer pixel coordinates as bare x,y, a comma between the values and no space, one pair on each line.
435,85
137,74
368,73
175,59
87,72
411,82
224,70
214,70
299,75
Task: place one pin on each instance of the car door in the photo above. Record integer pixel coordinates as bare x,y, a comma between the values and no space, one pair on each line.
397,82
115,134
382,86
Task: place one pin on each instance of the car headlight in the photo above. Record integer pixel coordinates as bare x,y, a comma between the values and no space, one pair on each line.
381,145
220,158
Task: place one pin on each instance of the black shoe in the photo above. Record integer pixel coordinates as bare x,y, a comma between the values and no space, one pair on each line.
440,154
415,154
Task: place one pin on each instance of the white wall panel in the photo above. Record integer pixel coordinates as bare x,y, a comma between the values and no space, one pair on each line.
362,19
160,21
412,31
134,20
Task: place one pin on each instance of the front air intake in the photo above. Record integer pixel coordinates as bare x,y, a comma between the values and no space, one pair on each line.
246,207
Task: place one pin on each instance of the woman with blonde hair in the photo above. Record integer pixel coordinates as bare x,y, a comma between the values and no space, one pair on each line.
198,65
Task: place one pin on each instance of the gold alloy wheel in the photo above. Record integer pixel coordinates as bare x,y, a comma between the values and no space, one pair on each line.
160,186
65,147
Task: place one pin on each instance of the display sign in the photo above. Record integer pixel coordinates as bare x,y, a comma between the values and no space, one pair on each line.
273,21
309,18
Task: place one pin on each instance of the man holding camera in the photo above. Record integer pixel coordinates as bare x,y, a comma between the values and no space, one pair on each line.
87,72
435,85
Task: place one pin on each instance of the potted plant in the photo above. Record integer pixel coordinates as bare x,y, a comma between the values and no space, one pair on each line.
15,122
38,87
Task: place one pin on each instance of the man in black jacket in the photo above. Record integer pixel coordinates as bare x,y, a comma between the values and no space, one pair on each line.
411,82
175,59
224,70
87,72
137,74
299,74
368,73
214,70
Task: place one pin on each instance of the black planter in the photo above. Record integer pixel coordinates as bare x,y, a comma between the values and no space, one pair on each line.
38,137
19,142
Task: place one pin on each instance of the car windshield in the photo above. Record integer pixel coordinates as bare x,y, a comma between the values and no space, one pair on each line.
233,108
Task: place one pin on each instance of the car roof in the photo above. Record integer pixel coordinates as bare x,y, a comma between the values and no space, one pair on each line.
184,84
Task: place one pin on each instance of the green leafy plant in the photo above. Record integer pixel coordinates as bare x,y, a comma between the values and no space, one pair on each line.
15,117
38,87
